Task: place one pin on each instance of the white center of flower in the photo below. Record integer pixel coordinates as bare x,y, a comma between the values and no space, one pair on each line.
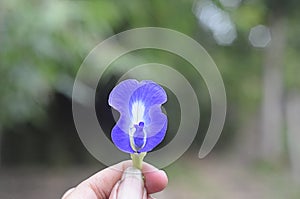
138,110
136,132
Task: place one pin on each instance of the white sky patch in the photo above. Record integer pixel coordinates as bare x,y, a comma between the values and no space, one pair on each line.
231,3
260,36
138,109
217,21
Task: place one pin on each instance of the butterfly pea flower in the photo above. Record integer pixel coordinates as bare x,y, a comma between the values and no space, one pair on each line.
142,124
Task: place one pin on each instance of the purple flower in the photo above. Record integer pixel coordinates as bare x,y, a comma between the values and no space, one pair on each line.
142,124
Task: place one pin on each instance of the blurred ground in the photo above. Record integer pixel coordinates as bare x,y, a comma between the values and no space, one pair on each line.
228,178
195,179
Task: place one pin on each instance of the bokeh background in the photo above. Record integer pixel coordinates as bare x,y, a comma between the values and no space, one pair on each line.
255,44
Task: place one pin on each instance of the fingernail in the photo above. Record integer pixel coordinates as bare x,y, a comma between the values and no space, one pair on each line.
131,185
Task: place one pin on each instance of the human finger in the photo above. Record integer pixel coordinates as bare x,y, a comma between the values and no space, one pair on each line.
100,185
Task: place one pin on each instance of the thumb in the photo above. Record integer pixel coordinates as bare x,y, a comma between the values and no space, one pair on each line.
130,186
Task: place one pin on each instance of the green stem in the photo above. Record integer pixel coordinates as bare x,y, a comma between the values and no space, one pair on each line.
137,159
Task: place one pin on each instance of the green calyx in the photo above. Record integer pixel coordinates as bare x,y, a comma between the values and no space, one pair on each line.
137,159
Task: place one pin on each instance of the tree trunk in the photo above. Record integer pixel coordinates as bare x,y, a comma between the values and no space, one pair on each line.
272,121
0,146
293,133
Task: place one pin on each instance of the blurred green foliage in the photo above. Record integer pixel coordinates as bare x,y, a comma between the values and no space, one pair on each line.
42,43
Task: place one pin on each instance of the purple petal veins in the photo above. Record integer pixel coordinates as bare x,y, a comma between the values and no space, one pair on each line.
141,125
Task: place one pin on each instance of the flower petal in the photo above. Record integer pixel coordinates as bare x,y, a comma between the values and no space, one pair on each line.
121,139
155,139
120,95
119,100
157,128
143,98
157,120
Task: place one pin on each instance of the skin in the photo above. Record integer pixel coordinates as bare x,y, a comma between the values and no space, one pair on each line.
120,181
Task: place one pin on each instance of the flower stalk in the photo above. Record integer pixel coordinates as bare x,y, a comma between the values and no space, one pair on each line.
137,159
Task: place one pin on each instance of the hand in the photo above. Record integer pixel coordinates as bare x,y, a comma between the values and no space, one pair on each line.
118,181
